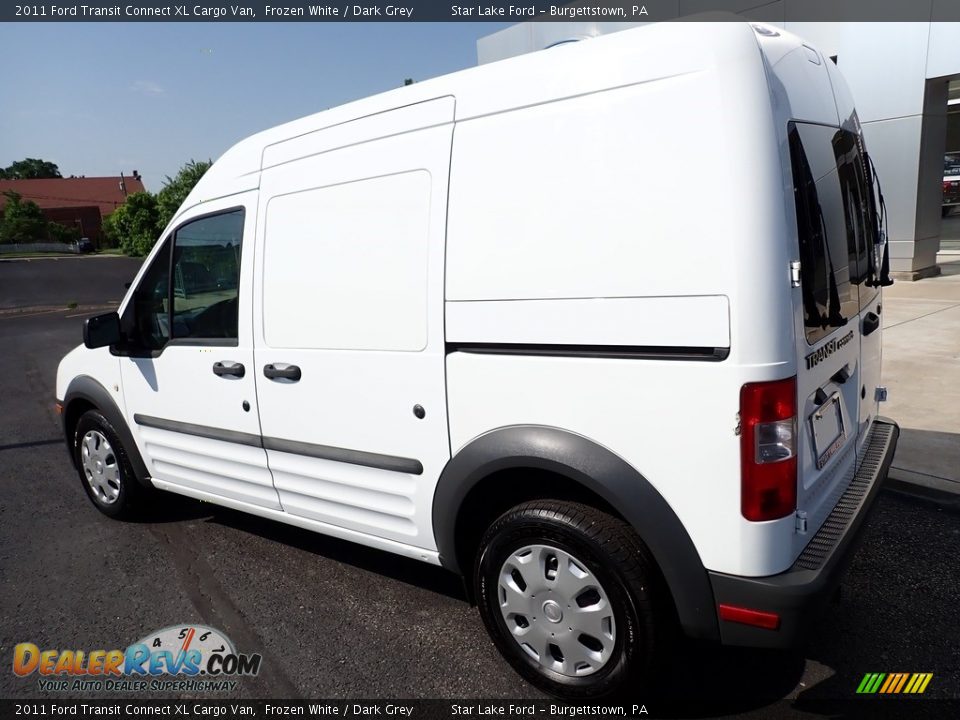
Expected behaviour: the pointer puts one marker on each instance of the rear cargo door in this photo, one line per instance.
(829, 371)
(860, 205)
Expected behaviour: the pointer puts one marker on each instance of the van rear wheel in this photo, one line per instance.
(105, 469)
(569, 596)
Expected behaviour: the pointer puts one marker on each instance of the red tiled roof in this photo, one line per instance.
(103, 192)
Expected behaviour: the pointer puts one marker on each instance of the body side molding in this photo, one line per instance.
(344, 455)
(599, 470)
(323, 452)
(84, 387)
(211, 433)
(624, 352)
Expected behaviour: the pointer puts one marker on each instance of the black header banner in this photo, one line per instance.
(480, 10)
(472, 709)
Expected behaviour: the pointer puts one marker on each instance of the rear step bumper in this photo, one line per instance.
(799, 594)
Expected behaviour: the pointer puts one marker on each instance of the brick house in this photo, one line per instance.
(80, 202)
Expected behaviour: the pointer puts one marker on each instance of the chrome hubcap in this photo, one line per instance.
(552, 611)
(100, 466)
(556, 610)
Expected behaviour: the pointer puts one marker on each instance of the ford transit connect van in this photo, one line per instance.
(503, 322)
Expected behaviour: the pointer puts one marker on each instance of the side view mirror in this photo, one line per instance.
(102, 330)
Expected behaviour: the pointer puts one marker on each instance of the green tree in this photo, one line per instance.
(133, 226)
(57, 232)
(22, 220)
(30, 169)
(176, 189)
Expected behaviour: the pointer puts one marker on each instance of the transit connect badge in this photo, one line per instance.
(827, 349)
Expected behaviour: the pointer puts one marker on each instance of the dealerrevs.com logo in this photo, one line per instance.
(180, 658)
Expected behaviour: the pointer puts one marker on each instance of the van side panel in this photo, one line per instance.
(666, 322)
(674, 421)
(591, 196)
(653, 201)
(381, 287)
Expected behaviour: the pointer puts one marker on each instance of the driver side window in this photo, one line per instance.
(206, 277)
(146, 323)
(191, 289)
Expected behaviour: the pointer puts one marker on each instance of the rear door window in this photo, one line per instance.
(856, 185)
(833, 225)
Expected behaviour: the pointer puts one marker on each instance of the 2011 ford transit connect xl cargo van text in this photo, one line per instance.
(491, 321)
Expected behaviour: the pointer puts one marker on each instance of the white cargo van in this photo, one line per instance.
(597, 328)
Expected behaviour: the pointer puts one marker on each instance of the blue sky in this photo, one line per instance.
(101, 98)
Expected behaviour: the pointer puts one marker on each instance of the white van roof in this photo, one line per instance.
(704, 51)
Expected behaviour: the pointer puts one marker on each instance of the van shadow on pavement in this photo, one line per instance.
(406, 570)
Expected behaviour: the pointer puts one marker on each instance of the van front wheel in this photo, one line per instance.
(568, 594)
(105, 469)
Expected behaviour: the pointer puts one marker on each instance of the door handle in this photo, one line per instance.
(871, 321)
(287, 372)
(233, 369)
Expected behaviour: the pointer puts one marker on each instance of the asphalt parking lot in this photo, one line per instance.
(333, 620)
(48, 282)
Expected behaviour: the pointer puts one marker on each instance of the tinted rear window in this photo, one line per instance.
(833, 201)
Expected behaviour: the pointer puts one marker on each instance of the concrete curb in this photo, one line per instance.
(942, 499)
(922, 479)
(39, 309)
(13, 256)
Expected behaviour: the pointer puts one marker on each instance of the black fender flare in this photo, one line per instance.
(604, 473)
(84, 387)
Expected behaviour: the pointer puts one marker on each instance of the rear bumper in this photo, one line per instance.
(799, 594)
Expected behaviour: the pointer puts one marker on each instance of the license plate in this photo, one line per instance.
(828, 431)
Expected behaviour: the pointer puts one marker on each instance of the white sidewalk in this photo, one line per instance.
(921, 369)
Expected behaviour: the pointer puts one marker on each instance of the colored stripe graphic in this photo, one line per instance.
(890, 679)
(903, 680)
(894, 683)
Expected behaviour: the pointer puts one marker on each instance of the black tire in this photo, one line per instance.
(132, 496)
(614, 554)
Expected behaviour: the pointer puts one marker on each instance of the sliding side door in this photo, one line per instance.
(349, 347)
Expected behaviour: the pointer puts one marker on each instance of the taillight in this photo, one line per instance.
(768, 449)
